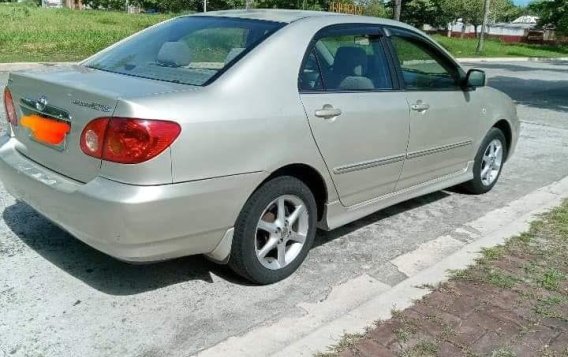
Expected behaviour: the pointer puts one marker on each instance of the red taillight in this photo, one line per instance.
(127, 140)
(10, 108)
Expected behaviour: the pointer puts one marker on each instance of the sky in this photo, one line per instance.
(521, 2)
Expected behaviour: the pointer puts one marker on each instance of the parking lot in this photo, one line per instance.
(61, 297)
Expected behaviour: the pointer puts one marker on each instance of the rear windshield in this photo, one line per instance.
(188, 50)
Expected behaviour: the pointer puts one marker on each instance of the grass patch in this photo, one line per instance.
(29, 33)
(423, 348)
(551, 279)
(396, 314)
(500, 279)
(459, 274)
(503, 352)
(532, 268)
(347, 341)
(407, 328)
(493, 253)
(493, 48)
(546, 307)
(540, 275)
(403, 334)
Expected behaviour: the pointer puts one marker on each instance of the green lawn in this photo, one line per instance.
(34, 34)
(466, 48)
(30, 34)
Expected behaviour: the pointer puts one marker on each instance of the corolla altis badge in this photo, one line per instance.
(92, 105)
(41, 103)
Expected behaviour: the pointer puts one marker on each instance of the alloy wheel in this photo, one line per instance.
(491, 162)
(281, 232)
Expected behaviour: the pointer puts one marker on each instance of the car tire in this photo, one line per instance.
(488, 164)
(266, 221)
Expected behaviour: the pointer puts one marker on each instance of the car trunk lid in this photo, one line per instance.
(65, 100)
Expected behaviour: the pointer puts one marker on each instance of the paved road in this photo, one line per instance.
(60, 297)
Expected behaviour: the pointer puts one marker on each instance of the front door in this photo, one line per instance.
(359, 122)
(442, 114)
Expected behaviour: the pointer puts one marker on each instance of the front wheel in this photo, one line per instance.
(488, 163)
(274, 231)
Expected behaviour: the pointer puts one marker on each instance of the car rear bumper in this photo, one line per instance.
(131, 223)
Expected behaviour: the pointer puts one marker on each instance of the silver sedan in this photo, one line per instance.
(237, 134)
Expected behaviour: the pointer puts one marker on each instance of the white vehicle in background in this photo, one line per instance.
(52, 3)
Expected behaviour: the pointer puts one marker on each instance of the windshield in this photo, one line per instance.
(188, 50)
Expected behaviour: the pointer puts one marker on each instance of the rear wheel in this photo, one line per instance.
(488, 163)
(274, 231)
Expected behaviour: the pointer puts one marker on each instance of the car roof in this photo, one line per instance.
(278, 15)
(288, 16)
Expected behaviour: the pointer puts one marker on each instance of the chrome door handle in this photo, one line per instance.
(420, 106)
(328, 112)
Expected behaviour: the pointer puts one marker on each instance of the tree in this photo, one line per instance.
(481, 43)
(397, 9)
(507, 11)
(374, 8)
(422, 12)
(552, 13)
(471, 11)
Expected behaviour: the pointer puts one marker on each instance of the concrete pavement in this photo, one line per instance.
(61, 297)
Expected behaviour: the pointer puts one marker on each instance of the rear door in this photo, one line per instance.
(359, 120)
(442, 115)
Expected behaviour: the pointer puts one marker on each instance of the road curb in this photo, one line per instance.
(308, 335)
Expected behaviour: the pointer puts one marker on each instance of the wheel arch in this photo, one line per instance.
(308, 175)
(303, 172)
(507, 130)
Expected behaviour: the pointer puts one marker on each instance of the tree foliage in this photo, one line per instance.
(440, 12)
(471, 11)
(552, 13)
(374, 8)
(370, 7)
(421, 12)
(415, 12)
(507, 11)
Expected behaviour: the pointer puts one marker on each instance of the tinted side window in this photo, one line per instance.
(423, 67)
(352, 63)
(310, 75)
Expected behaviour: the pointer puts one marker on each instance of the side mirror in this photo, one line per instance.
(475, 78)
